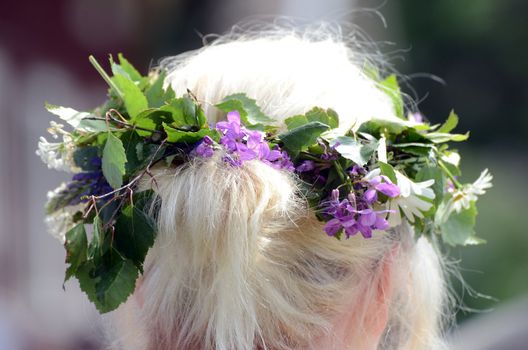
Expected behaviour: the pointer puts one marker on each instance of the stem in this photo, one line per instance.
(127, 125)
(310, 156)
(345, 180)
(118, 114)
(105, 76)
(448, 173)
(339, 171)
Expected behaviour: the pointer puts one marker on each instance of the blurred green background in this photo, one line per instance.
(478, 48)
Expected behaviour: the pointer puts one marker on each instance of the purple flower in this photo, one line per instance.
(329, 153)
(353, 215)
(244, 152)
(370, 195)
(450, 187)
(383, 184)
(416, 117)
(320, 179)
(344, 216)
(90, 183)
(283, 162)
(357, 170)
(232, 131)
(205, 148)
(230, 160)
(232, 126)
(266, 154)
(243, 144)
(255, 139)
(305, 166)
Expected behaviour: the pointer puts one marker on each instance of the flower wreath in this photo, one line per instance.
(356, 182)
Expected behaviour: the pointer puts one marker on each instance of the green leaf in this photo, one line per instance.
(388, 170)
(316, 114)
(450, 123)
(175, 135)
(440, 137)
(127, 67)
(134, 234)
(436, 174)
(134, 100)
(107, 215)
(114, 159)
(459, 227)
(117, 281)
(152, 119)
(474, 240)
(185, 112)
(302, 137)
(413, 144)
(328, 116)
(354, 150)
(416, 148)
(156, 94)
(95, 126)
(295, 121)
(138, 152)
(84, 156)
(131, 140)
(76, 248)
(109, 283)
(87, 281)
(378, 126)
(69, 115)
(105, 76)
(96, 248)
(451, 160)
(391, 87)
(250, 113)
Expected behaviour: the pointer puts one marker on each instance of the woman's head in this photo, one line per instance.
(240, 260)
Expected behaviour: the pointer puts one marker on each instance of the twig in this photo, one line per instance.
(138, 177)
(110, 111)
(125, 124)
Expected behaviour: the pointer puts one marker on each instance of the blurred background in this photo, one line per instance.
(478, 48)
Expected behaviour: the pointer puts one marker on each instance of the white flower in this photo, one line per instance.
(58, 155)
(51, 195)
(462, 198)
(61, 221)
(410, 200)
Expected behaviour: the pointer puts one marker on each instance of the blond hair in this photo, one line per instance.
(240, 262)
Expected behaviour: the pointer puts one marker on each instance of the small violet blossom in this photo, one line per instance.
(243, 145)
(205, 148)
(357, 170)
(306, 166)
(353, 215)
(329, 153)
(416, 117)
(84, 184)
(383, 184)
